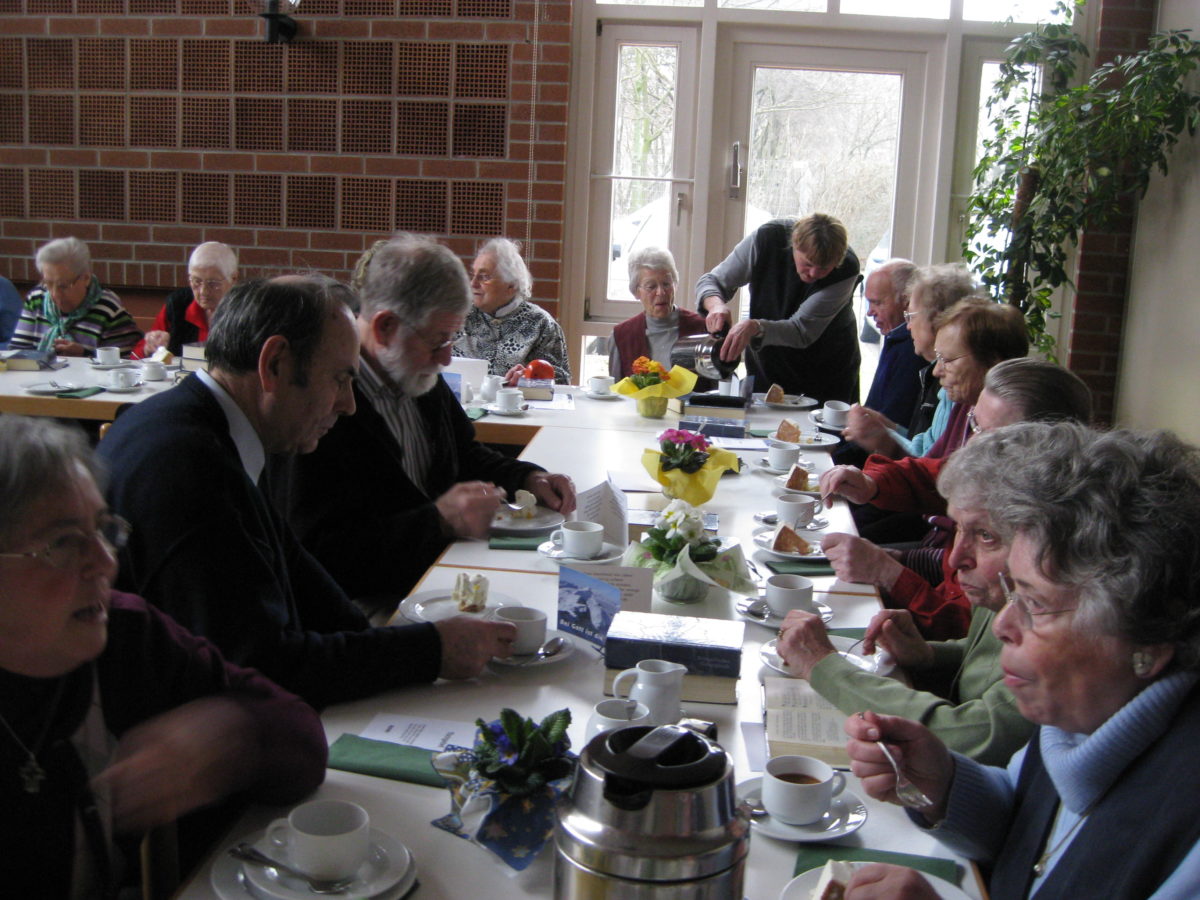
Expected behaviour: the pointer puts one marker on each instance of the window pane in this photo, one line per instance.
(912, 9)
(1000, 10)
(790, 5)
(641, 221)
(650, 2)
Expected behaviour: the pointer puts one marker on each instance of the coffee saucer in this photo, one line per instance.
(607, 396)
(846, 815)
(608, 553)
(770, 518)
(880, 663)
(531, 661)
(770, 619)
(496, 410)
(105, 367)
(131, 389)
(771, 470)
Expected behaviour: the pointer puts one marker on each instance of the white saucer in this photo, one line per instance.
(764, 537)
(529, 662)
(45, 389)
(881, 663)
(388, 874)
(846, 815)
(802, 886)
(609, 396)
(773, 621)
(104, 367)
(132, 389)
(817, 440)
(608, 553)
(792, 401)
(817, 417)
(771, 470)
(770, 518)
(436, 604)
(495, 410)
(544, 520)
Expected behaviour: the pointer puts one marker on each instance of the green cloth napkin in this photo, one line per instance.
(384, 759)
(796, 567)
(510, 542)
(474, 413)
(855, 633)
(759, 432)
(79, 393)
(811, 857)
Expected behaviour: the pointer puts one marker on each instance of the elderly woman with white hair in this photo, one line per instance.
(503, 326)
(1100, 649)
(661, 324)
(184, 317)
(69, 312)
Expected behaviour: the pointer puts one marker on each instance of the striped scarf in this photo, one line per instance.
(61, 323)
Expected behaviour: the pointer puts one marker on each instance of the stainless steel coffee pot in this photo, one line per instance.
(652, 815)
(702, 354)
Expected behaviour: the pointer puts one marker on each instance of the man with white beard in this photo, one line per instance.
(391, 485)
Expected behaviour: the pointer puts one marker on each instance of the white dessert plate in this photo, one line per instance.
(791, 401)
(880, 663)
(815, 440)
(846, 815)
(781, 486)
(132, 389)
(389, 872)
(773, 621)
(771, 470)
(104, 367)
(802, 886)
(496, 410)
(544, 519)
(530, 661)
(609, 396)
(764, 537)
(608, 553)
(49, 389)
(437, 604)
(772, 519)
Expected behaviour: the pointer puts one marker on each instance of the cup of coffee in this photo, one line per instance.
(509, 399)
(795, 510)
(324, 839)
(835, 413)
(530, 624)
(788, 592)
(798, 790)
(616, 714)
(122, 379)
(782, 455)
(582, 540)
(108, 356)
(600, 384)
(153, 370)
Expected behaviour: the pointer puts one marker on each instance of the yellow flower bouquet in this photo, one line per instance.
(652, 386)
(687, 465)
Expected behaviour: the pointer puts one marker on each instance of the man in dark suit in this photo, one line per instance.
(209, 548)
(391, 485)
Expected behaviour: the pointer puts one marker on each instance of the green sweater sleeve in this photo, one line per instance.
(982, 722)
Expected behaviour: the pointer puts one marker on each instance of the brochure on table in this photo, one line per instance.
(605, 503)
(428, 734)
(589, 597)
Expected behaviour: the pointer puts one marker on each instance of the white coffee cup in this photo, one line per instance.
(582, 540)
(782, 455)
(153, 370)
(530, 624)
(788, 592)
(835, 413)
(795, 510)
(122, 378)
(600, 384)
(616, 714)
(509, 399)
(798, 790)
(325, 839)
(108, 356)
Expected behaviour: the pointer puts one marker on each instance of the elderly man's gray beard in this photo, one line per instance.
(398, 368)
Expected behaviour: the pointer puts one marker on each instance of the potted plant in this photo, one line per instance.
(652, 386)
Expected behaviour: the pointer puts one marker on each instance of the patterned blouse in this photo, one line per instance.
(516, 333)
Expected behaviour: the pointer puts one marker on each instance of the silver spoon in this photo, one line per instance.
(551, 648)
(906, 792)
(758, 609)
(249, 853)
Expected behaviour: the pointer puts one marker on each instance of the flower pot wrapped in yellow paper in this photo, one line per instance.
(652, 386)
(687, 465)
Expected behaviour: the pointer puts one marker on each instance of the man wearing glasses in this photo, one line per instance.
(390, 486)
(184, 318)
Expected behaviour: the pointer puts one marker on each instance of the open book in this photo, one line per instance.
(800, 721)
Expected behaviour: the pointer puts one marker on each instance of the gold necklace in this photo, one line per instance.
(31, 772)
(1039, 867)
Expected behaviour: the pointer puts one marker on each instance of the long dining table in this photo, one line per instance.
(587, 441)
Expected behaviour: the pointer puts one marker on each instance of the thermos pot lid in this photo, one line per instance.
(669, 756)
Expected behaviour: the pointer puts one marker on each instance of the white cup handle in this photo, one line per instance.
(839, 783)
(278, 831)
(631, 673)
(556, 537)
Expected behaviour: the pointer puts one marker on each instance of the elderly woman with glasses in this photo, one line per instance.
(959, 693)
(212, 271)
(1101, 651)
(69, 312)
(504, 326)
(654, 331)
(113, 718)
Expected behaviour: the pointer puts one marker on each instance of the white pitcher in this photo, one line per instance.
(657, 684)
(489, 386)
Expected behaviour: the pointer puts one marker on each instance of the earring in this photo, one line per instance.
(1142, 663)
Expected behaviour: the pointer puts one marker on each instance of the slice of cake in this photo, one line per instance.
(788, 432)
(470, 593)
(787, 541)
(797, 479)
(774, 394)
(834, 878)
(528, 503)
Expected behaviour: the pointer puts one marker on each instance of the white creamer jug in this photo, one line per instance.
(657, 684)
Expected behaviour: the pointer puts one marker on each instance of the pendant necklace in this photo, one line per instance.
(31, 772)
(1039, 867)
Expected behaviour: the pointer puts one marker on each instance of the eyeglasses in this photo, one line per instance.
(1012, 598)
(67, 551)
(432, 346)
(973, 423)
(910, 314)
(59, 287)
(211, 285)
(482, 277)
(938, 358)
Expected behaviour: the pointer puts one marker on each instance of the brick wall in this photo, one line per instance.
(1093, 348)
(148, 126)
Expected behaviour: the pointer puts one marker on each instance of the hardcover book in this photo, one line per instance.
(705, 646)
